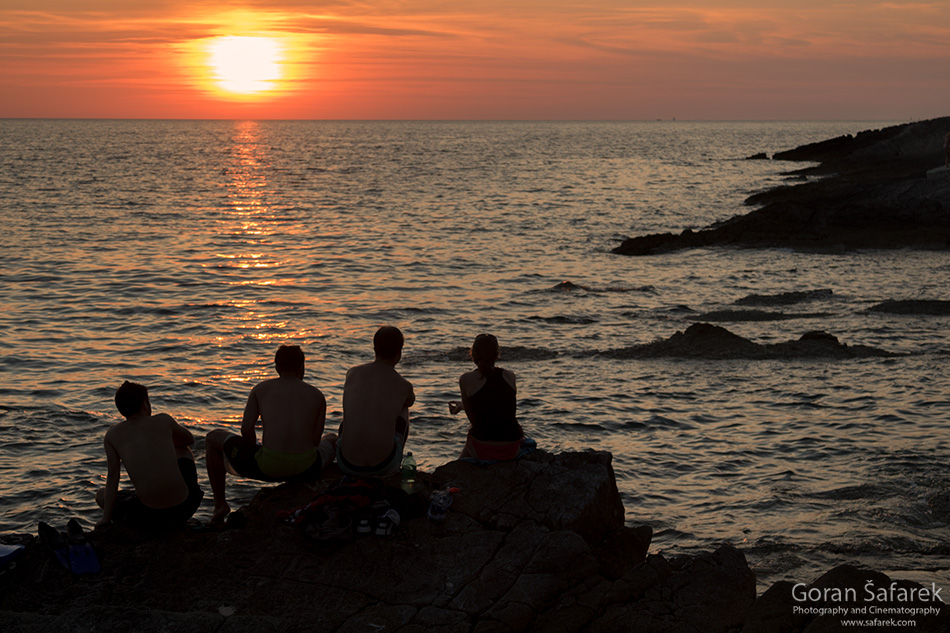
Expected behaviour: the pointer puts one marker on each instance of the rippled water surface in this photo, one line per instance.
(181, 254)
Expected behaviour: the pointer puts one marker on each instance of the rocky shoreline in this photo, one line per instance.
(534, 545)
(878, 189)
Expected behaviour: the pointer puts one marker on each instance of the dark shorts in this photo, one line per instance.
(387, 466)
(129, 509)
(245, 459)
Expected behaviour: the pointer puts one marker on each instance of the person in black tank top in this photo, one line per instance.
(489, 399)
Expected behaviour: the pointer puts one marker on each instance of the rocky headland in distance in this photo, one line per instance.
(882, 189)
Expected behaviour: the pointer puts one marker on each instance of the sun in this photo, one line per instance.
(245, 65)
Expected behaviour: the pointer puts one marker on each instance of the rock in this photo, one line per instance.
(711, 592)
(876, 193)
(712, 342)
(571, 491)
(939, 173)
(774, 612)
(844, 594)
(536, 544)
(913, 306)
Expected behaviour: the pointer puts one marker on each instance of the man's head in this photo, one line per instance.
(289, 360)
(387, 343)
(131, 397)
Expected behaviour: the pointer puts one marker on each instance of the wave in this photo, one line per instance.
(565, 319)
(759, 315)
(570, 286)
(461, 355)
(785, 298)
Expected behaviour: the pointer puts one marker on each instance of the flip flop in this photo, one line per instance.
(82, 557)
(8, 554)
(56, 542)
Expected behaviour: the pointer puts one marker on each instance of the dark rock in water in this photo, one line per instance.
(914, 306)
(711, 342)
(785, 298)
(566, 286)
(759, 156)
(533, 545)
(570, 286)
(875, 194)
(819, 337)
(843, 595)
(565, 319)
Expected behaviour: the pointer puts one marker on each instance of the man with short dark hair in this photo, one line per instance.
(156, 454)
(376, 401)
(293, 447)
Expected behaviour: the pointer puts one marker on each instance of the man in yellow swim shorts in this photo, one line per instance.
(292, 415)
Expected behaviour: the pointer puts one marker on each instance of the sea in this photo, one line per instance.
(181, 254)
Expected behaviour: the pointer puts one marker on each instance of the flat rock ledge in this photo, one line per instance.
(534, 545)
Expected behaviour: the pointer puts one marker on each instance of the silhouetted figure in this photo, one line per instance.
(156, 453)
(292, 414)
(489, 396)
(376, 401)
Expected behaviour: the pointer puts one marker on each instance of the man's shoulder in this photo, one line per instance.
(264, 385)
(313, 390)
(361, 370)
(113, 431)
(161, 418)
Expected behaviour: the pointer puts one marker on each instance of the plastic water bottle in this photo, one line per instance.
(409, 469)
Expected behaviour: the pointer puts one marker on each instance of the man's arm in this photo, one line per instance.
(181, 437)
(112, 482)
(252, 412)
(411, 397)
(320, 421)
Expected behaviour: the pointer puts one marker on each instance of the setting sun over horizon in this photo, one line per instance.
(245, 65)
(608, 60)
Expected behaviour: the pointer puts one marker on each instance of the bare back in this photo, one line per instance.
(374, 395)
(292, 413)
(147, 446)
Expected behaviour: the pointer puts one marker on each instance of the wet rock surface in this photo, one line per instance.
(872, 191)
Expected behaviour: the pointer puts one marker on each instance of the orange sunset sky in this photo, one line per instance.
(517, 59)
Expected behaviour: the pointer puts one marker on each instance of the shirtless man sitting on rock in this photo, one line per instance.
(293, 446)
(156, 454)
(376, 401)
